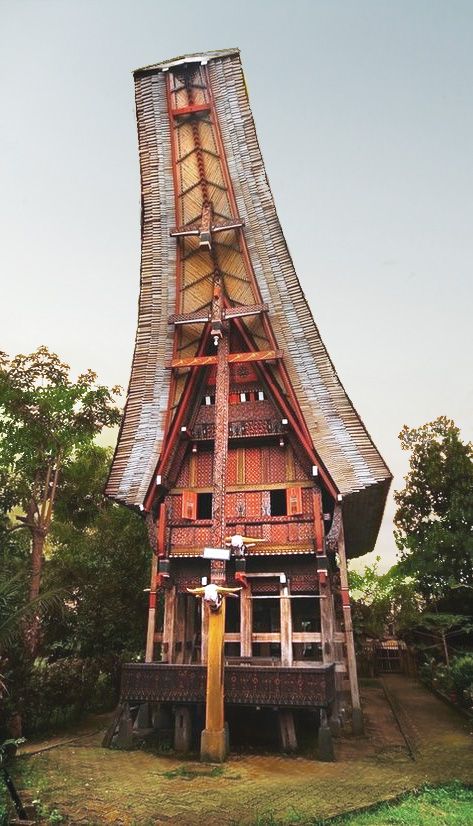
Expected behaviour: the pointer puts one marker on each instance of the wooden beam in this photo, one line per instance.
(204, 633)
(222, 386)
(349, 640)
(180, 629)
(246, 622)
(232, 358)
(167, 654)
(286, 627)
(151, 611)
(190, 109)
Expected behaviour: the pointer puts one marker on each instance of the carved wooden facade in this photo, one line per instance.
(236, 424)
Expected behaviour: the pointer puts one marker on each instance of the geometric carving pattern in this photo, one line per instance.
(247, 685)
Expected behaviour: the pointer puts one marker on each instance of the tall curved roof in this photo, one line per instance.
(202, 100)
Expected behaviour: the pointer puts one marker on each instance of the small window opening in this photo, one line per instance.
(204, 506)
(208, 400)
(278, 502)
(244, 397)
(261, 395)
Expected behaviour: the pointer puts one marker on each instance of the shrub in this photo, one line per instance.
(461, 672)
(62, 691)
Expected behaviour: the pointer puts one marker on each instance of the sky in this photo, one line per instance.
(364, 115)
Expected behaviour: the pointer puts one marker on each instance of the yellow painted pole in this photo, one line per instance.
(214, 738)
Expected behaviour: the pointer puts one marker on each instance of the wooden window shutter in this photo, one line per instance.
(294, 501)
(189, 504)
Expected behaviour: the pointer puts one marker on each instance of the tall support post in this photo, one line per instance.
(169, 624)
(357, 715)
(179, 628)
(286, 626)
(204, 644)
(246, 622)
(327, 618)
(220, 333)
(189, 641)
(155, 581)
(214, 740)
(151, 611)
(327, 606)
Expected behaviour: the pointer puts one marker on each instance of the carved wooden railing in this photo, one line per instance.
(248, 685)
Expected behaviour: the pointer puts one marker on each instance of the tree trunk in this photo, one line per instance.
(37, 548)
(445, 649)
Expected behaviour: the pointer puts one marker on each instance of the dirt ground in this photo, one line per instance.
(91, 785)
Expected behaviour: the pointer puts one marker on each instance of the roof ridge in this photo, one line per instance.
(192, 57)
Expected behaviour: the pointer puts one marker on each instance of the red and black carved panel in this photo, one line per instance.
(188, 573)
(251, 410)
(247, 685)
(253, 465)
(204, 468)
(276, 464)
(253, 501)
(182, 480)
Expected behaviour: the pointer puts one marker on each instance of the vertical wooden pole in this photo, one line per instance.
(204, 647)
(169, 624)
(213, 744)
(327, 619)
(217, 567)
(189, 636)
(357, 716)
(286, 626)
(179, 628)
(152, 611)
(246, 622)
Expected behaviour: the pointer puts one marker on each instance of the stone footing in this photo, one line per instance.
(357, 721)
(214, 746)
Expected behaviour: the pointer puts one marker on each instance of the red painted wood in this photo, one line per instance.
(318, 522)
(161, 531)
(189, 505)
(294, 501)
(189, 110)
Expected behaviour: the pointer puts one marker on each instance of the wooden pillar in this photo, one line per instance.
(327, 619)
(357, 716)
(179, 628)
(222, 386)
(246, 622)
(182, 729)
(286, 626)
(324, 741)
(189, 644)
(287, 730)
(213, 744)
(167, 654)
(151, 611)
(204, 634)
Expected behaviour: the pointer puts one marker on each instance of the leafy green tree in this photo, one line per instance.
(100, 551)
(45, 417)
(383, 604)
(441, 628)
(434, 517)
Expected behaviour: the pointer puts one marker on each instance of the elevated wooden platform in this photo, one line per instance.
(245, 684)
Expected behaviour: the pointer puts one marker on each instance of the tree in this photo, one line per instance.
(383, 603)
(441, 627)
(434, 517)
(101, 551)
(45, 417)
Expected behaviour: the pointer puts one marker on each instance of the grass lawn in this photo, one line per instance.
(450, 805)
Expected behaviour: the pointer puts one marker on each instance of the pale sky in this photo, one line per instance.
(364, 114)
